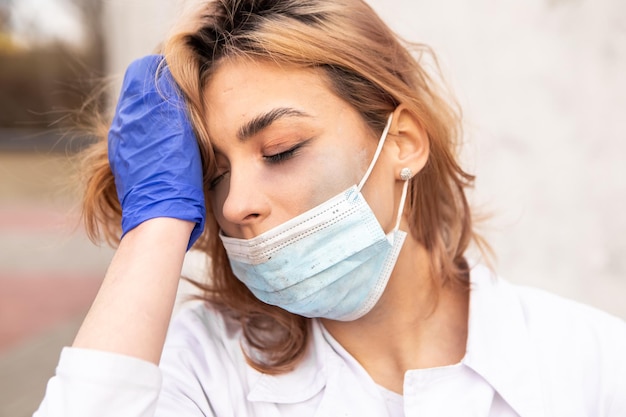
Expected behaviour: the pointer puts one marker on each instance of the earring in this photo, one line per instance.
(406, 174)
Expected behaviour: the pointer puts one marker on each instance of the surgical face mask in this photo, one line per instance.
(332, 261)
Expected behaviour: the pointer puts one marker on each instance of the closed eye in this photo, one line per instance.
(285, 155)
(216, 180)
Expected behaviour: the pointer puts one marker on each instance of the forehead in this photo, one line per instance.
(240, 90)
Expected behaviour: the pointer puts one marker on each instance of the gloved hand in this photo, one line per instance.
(153, 151)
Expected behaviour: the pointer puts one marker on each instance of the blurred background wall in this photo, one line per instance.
(542, 87)
(544, 97)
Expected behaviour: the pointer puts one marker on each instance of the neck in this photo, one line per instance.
(417, 323)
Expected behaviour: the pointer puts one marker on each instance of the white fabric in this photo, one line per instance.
(529, 354)
(393, 401)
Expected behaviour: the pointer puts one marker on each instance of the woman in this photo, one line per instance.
(337, 227)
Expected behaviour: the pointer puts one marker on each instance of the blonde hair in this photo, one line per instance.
(370, 68)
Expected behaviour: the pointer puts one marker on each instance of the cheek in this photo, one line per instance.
(216, 201)
(298, 185)
(380, 192)
(327, 176)
(381, 202)
(333, 173)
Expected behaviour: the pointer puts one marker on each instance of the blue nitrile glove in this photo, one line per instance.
(153, 151)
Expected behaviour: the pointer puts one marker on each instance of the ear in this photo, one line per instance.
(409, 139)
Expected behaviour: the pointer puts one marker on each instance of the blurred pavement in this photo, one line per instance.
(49, 273)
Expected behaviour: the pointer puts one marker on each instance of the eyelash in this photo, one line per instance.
(283, 156)
(272, 159)
(215, 181)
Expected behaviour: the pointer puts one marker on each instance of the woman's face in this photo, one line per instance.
(284, 143)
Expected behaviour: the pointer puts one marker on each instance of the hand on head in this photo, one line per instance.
(153, 151)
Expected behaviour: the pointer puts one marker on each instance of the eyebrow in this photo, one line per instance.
(264, 120)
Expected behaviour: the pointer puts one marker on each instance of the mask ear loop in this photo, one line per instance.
(379, 148)
(405, 174)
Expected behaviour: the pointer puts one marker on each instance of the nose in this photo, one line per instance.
(245, 203)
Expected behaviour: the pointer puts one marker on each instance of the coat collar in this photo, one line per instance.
(498, 345)
(498, 349)
(305, 381)
(322, 369)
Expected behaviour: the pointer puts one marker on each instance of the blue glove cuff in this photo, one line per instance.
(146, 202)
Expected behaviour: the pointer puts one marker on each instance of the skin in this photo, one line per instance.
(405, 330)
(141, 283)
(320, 147)
(255, 193)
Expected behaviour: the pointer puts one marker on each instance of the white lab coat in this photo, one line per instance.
(529, 354)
